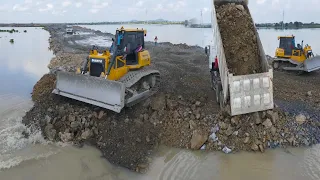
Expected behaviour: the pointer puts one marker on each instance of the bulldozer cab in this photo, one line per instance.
(128, 40)
(287, 43)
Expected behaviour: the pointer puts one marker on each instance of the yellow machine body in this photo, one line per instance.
(113, 78)
(287, 49)
(290, 57)
(120, 68)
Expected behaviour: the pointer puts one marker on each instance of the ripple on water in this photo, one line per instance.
(292, 164)
(311, 163)
(178, 165)
(12, 139)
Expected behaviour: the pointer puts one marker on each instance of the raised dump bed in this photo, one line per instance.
(245, 81)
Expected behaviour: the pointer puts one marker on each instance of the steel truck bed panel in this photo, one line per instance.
(245, 93)
(251, 93)
(217, 47)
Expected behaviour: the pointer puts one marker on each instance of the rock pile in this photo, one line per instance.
(185, 125)
(43, 88)
(239, 39)
(124, 139)
(163, 120)
(259, 131)
(70, 62)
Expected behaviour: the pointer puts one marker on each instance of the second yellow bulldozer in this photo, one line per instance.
(114, 78)
(290, 57)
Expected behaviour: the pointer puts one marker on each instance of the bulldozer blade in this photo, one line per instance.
(92, 90)
(312, 64)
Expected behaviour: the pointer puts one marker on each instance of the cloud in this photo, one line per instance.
(205, 10)
(66, 3)
(139, 3)
(96, 7)
(275, 2)
(47, 8)
(262, 10)
(159, 7)
(93, 11)
(4, 7)
(38, 3)
(100, 6)
(24, 6)
(59, 12)
(261, 1)
(20, 7)
(28, 1)
(78, 4)
(176, 6)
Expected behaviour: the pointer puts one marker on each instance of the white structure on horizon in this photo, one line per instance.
(194, 21)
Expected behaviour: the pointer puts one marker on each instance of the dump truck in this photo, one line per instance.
(69, 29)
(238, 94)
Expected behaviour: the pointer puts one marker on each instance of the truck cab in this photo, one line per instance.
(69, 29)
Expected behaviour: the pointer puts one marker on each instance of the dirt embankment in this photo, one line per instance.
(239, 39)
(182, 114)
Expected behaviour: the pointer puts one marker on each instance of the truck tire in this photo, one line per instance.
(218, 90)
(275, 65)
(221, 100)
(212, 81)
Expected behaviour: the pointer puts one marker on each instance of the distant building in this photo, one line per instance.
(195, 23)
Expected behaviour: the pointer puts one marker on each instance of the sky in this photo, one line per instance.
(55, 11)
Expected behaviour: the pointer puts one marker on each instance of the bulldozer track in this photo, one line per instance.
(281, 64)
(132, 78)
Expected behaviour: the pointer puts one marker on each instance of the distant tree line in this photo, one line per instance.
(164, 22)
(290, 25)
(131, 22)
(279, 25)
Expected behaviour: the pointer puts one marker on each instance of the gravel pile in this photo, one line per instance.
(239, 39)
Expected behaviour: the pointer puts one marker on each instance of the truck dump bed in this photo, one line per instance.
(247, 86)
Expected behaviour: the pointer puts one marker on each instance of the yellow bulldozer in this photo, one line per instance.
(115, 78)
(290, 57)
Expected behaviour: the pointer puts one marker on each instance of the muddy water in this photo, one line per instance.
(292, 164)
(24, 62)
(86, 163)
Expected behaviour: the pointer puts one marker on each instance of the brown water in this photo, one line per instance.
(36, 159)
(86, 163)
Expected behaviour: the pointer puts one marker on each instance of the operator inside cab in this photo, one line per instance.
(293, 43)
(111, 47)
